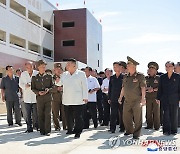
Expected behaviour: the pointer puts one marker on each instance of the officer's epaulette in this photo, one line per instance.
(125, 75)
(140, 73)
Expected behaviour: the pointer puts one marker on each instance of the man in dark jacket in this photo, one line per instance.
(169, 96)
(9, 91)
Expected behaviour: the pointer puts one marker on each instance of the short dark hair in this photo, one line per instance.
(71, 60)
(108, 69)
(48, 70)
(178, 64)
(116, 62)
(8, 66)
(82, 69)
(101, 72)
(169, 62)
(18, 70)
(89, 68)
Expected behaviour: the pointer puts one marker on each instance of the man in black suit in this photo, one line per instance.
(169, 97)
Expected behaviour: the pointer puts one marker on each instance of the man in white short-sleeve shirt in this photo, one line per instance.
(93, 87)
(106, 105)
(29, 96)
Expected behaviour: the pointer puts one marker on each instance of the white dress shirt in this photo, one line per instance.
(74, 88)
(105, 85)
(28, 95)
(92, 84)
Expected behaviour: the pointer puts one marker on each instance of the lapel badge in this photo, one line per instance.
(155, 81)
(135, 80)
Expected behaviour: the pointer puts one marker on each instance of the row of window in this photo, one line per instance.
(20, 42)
(32, 16)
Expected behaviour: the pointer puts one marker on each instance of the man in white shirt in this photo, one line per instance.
(104, 88)
(29, 96)
(93, 87)
(75, 95)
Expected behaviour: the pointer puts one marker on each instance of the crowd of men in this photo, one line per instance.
(76, 96)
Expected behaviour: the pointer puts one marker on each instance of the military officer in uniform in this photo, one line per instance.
(57, 107)
(134, 91)
(152, 108)
(42, 85)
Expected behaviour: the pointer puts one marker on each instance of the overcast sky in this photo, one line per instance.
(146, 30)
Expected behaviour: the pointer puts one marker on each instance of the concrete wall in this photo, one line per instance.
(94, 37)
(14, 23)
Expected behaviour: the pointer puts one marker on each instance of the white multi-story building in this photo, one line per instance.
(26, 31)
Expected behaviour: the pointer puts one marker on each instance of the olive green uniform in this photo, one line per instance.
(132, 110)
(40, 83)
(57, 107)
(152, 108)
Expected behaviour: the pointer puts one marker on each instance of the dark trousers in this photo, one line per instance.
(170, 118)
(116, 114)
(106, 111)
(100, 110)
(44, 116)
(178, 117)
(90, 111)
(31, 111)
(161, 114)
(74, 118)
(10, 105)
(152, 113)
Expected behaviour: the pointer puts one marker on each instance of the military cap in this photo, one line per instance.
(153, 65)
(40, 62)
(57, 65)
(178, 64)
(122, 63)
(132, 61)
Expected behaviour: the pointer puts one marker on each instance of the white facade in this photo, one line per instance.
(94, 42)
(26, 29)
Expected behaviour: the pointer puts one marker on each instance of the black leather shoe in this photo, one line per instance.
(28, 131)
(42, 133)
(173, 133)
(136, 137)
(121, 130)
(166, 133)
(20, 124)
(10, 125)
(69, 132)
(126, 134)
(156, 128)
(57, 129)
(77, 136)
(111, 131)
(95, 126)
(148, 127)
